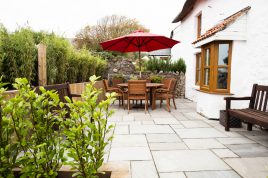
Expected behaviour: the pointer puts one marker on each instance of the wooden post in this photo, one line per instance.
(42, 65)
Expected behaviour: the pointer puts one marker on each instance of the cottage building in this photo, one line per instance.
(225, 46)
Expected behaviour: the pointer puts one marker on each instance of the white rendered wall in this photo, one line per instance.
(249, 58)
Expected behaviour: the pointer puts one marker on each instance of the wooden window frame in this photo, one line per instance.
(214, 52)
(198, 68)
(199, 24)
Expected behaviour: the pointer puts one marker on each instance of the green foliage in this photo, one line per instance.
(157, 65)
(179, 66)
(18, 58)
(82, 65)
(18, 54)
(8, 149)
(86, 131)
(119, 76)
(57, 58)
(133, 77)
(156, 78)
(33, 118)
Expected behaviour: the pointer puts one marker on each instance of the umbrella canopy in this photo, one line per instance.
(138, 41)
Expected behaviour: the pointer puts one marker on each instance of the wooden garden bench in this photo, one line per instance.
(256, 113)
(62, 90)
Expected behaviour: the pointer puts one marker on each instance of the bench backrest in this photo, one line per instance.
(259, 98)
(62, 90)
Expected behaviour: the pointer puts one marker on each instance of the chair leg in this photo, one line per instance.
(174, 102)
(128, 105)
(141, 102)
(146, 105)
(161, 101)
(123, 102)
(249, 127)
(168, 104)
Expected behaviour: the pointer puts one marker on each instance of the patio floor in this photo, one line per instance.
(182, 144)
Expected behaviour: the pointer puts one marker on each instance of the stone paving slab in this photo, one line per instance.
(199, 133)
(146, 129)
(203, 143)
(167, 146)
(249, 150)
(232, 141)
(121, 129)
(129, 141)
(172, 175)
(166, 138)
(224, 153)
(187, 160)
(143, 169)
(194, 124)
(212, 174)
(168, 120)
(129, 153)
(250, 167)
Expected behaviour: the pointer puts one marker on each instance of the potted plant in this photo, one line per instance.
(156, 78)
(31, 116)
(86, 131)
(118, 78)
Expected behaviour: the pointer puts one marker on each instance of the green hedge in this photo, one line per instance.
(157, 65)
(18, 58)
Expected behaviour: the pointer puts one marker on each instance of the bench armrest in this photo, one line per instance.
(75, 95)
(237, 98)
(229, 99)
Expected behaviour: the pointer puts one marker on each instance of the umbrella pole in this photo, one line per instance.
(140, 61)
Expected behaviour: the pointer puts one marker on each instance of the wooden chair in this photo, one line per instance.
(167, 93)
(256, 113)
(118, 91)
(137, 91)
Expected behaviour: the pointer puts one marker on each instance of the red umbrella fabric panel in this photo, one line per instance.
(139, 41)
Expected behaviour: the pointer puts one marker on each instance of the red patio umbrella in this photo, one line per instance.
(138, 41)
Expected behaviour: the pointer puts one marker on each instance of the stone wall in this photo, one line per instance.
(121, 66)
(180, 89)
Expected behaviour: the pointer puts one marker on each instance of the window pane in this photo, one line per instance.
(207, 57)
(206, 77)
(222, 78)
(223, 54)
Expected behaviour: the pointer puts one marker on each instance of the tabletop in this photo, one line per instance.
(148, 85)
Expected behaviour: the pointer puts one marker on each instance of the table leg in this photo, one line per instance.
(152, 99)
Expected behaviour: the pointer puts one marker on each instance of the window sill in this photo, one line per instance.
(214, 93)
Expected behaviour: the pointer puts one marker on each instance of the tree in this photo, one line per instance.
(106, 28)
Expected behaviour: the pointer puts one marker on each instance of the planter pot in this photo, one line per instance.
(234, 122)
(67, 174)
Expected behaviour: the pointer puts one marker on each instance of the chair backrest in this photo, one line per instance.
(173, 85)
(106, 85)
(62, 90)
(116, 81)
(136, 87)
(166, 83)
(259, 98)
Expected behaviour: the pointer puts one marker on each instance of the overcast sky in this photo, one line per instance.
(67, 17)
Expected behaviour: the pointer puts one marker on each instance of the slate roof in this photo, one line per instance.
(222, 25)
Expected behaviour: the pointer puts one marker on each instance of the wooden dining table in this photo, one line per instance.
(151, 86)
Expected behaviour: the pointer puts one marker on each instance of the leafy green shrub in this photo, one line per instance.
(18, 58)
(17, 54)
(32, 117)
(179, 66)
(156, 78)
(119, 76)
(86, 131)
(157, 65)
